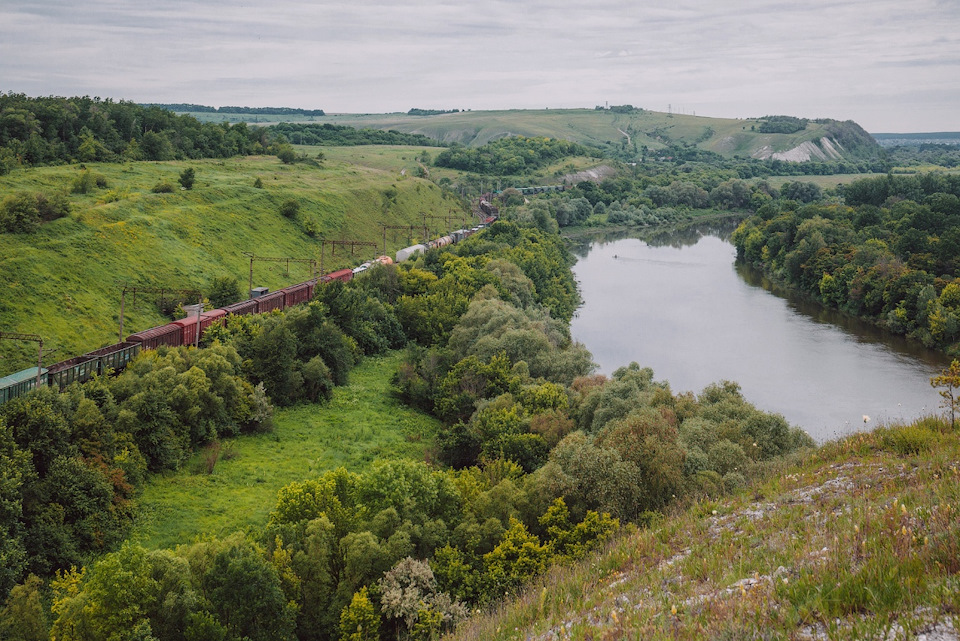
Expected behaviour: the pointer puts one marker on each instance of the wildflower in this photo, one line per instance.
(673, 610)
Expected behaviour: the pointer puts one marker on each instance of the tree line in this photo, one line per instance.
(54, 130)
(258, 111)
(889, 252)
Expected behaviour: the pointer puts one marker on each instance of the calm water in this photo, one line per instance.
(683, 308)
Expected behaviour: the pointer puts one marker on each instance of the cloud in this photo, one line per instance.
(740, 57)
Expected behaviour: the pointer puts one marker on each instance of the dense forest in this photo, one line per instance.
(888, 252)
(538, 461)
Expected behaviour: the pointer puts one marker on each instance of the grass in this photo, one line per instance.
(858, 539)
(361, 423)
(64, 282)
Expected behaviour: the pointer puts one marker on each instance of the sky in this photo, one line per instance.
(890, 65)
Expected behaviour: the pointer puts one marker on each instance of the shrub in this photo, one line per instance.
(287, 155)
(726, 456)
(52, 207)
(289, 208)
(187, 177)
(906, 440)
(19, 214)
(163, 188)
(83, 183)
(258, 183)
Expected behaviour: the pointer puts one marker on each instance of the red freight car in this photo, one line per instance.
(248, 306)
(170, 334)
(342, 275)
(270, 302)
(296, 294)
(189, 324)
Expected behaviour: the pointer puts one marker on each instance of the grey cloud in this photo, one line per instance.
(738, 57)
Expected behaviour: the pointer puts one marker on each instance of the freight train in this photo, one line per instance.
(188, 331)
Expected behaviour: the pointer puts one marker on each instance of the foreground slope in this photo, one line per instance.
(860, 539)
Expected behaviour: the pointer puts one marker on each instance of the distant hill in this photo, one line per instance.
(630, 133)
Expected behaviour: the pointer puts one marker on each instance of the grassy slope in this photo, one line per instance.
(62, 281)
(727, 136)
(860, 539)
(361, 423)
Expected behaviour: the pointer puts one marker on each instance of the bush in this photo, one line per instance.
(907, 440)
(82, 184)
(163, 188)
(187, 177)
(287, 155)
(289, 208)
(52, 207)
(19, 214)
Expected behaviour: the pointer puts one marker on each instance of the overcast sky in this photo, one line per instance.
(890, 65)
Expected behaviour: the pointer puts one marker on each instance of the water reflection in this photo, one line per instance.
(679, 304)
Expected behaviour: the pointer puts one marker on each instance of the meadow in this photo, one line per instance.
(233, 485)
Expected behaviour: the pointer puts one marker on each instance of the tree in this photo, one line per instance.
(246, 593)
(359, 621)
(224, 290)
(14, 467)
(23, 617)
(949, 380)
(519, 557)
(287, 155)
(187, 178)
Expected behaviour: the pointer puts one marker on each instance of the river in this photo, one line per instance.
(680, 305)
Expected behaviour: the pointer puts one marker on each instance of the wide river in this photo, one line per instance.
(680, 305)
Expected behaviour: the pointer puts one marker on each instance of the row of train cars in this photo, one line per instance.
(188, 331)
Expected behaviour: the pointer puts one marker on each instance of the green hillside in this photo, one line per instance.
(634, 130)
(64, 281)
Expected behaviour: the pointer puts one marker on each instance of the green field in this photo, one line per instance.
(64, 282)
(361, 423)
